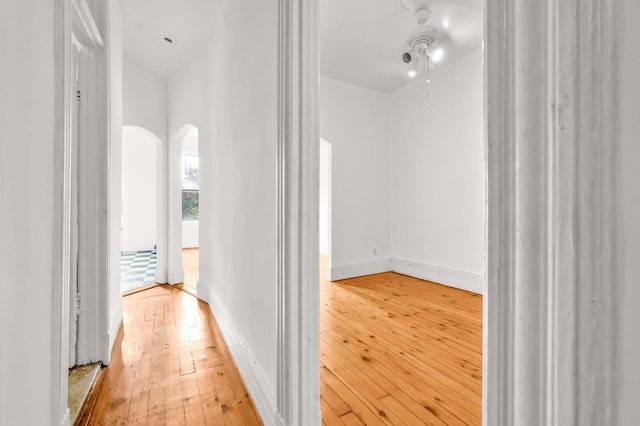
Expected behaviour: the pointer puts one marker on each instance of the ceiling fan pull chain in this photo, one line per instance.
(427, 64)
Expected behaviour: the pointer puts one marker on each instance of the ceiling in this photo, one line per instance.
(362, 41)
(146, 22)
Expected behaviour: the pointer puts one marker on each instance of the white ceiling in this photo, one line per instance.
(146, 22)
(362, 41)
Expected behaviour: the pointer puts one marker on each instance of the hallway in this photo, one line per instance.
(170, 365)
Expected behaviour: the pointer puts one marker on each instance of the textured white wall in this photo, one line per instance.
(630, 215)
(27, 131)
(139, 184)
(437, 157)
(356, 122)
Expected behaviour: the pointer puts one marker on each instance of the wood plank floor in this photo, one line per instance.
(398, 350)
(170, 366)
(190, 266)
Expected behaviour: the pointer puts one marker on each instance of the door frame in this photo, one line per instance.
(74, 17)
(550, 67)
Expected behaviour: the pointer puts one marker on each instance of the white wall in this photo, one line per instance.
(325, 197)
(139, 184)
(27, 132)
(190, 234)
(356, 121)
(437, 184)
(630, 222)
(144, 99)
(238, 141)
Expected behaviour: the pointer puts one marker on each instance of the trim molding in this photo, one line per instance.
(342, 272)
(116, 323)
(175, 277)
(446, 276)
(297, 295)
(84, 25)
(66, 420)
(252, 373)
(202, 290)
(62, 216)
(161, 277)
(550, 326)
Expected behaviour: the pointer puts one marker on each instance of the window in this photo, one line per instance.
(190, 178)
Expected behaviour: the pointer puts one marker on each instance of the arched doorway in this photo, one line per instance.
(139, 217)
(190, 205)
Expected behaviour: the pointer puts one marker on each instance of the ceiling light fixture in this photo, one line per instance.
(421, 40)
(436, 55)
(413, 68)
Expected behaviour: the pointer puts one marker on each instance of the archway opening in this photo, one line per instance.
(190, 174)
(139, 231)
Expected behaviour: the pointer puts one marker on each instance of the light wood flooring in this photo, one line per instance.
(170, 366)
(394, 350)
(190, 266)
(398, 350)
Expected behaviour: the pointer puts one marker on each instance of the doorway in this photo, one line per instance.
(404, 293)
(139, 232)
(190, 201)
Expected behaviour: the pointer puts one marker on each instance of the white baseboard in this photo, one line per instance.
(161, 277)
(65, 421)
(202, 290)
(258, 385)
(343, 272)
(114, 327)
(175, 277)
(438, 274)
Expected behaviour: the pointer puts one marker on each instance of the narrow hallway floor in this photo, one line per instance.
(170, 365)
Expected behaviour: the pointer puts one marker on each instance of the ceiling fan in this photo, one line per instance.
(421, 40)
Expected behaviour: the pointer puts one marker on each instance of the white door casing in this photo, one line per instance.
(298, 387)
(75, 17)
(551, 279)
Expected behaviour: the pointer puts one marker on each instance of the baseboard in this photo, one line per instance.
(254, 377)
(161, 277)
(343, 272)
(450, 277)
(175, 277)
(65, 419)
(202, 290)
(114, 327)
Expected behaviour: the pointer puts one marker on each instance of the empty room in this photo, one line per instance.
(401, 213)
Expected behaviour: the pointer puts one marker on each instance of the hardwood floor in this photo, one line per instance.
(394, 350)
(190, 266)
(398, 350)
(170, 366)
